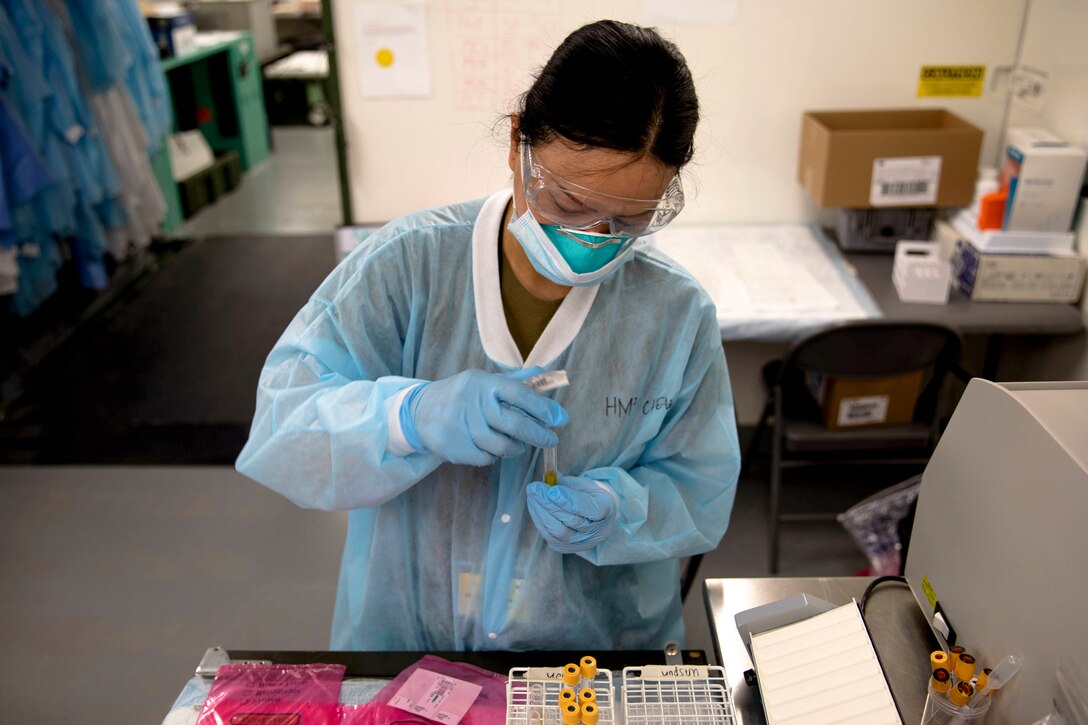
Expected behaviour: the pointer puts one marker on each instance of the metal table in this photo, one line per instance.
(899, 631)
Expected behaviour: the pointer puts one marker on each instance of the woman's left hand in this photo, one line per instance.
(575, 514)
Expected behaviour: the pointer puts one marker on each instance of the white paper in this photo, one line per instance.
(823, 671)
(688, 12)
(393, 51)
(773, 280)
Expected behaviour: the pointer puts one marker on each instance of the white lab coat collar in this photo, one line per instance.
(494, 334)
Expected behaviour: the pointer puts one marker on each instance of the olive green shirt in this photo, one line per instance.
(526, 316)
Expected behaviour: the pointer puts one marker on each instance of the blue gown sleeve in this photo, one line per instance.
(677, 500)
(320, 433)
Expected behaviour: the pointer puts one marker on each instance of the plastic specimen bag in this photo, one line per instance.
(447, 681)
(874, 525)
(274, 695)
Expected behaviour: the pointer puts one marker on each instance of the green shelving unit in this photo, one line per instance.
(217, 89)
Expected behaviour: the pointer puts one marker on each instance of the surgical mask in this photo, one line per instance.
(561, 259)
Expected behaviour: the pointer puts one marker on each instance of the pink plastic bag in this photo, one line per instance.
(489, 707)
(274, 695)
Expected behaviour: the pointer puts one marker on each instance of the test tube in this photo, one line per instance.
(938, 659)
(588, 667)
(965, 668)
(551, 466)
(572, 677)
(570, 713)
(589, 714)
(587, 695)
(941, 680)
(567, 695)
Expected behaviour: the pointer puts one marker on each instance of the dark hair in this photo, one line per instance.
(617, 86)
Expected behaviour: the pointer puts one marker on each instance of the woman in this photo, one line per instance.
(397, 392)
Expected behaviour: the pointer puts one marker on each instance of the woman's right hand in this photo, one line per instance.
(475, 417)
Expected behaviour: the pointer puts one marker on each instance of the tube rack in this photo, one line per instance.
(684, 695)
(532, 696)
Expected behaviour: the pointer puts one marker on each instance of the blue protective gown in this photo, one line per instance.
(446, 557)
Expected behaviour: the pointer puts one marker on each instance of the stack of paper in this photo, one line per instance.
(823, 670)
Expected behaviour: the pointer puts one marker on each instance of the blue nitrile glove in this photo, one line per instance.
(475, 417)
(575, 514)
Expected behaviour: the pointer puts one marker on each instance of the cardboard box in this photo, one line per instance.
(866, 402)
(1057, 277)
(1043, 174)
(894, 158)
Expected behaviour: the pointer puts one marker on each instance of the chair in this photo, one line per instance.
(856, 350)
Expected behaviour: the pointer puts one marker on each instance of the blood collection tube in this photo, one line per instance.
(965, 668)
(961, 694)
(938, 659)
(567, 695)
(954, 657)
(588, 668)
(572, 677)
(589, 714)
(570, 713)
(587, 695)
(941, 680)
(983, 678)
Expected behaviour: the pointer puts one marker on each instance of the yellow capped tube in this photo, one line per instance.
(983, 678)
(587, 695)
(941, 680)
(571, 713)
(960, 694)
(937, 660)
(965, 668)
(589, 714)
(567, 695)
(954, 656)
(588, 668)
(572, 676)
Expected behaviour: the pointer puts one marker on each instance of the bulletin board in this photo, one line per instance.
(757, 66)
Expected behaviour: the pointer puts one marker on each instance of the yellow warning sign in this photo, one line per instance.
(931, 596)
(951, 80)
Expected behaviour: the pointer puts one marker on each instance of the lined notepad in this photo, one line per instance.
(823, 670)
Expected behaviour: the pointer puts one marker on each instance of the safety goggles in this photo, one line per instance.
(559, 201)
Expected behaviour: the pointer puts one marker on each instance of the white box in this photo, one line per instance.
(1017, 277)
(919, 274)
(1043, 175)
(1000, 241)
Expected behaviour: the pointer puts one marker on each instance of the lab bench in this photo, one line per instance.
(900, 633)
(368, 672)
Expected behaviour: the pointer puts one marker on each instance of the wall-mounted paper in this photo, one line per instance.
(688, 12)
(393, 50)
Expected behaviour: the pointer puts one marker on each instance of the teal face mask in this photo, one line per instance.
(580, 258)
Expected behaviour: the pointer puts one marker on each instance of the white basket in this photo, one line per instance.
(532, 696)
(687, 695)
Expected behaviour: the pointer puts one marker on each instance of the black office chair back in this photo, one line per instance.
(873, 349)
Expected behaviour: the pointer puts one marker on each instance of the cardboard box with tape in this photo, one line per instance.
(888, 158)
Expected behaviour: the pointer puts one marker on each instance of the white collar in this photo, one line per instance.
(494, 334)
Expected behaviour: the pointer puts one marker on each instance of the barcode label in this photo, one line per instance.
(905, 181)
(905, 188)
